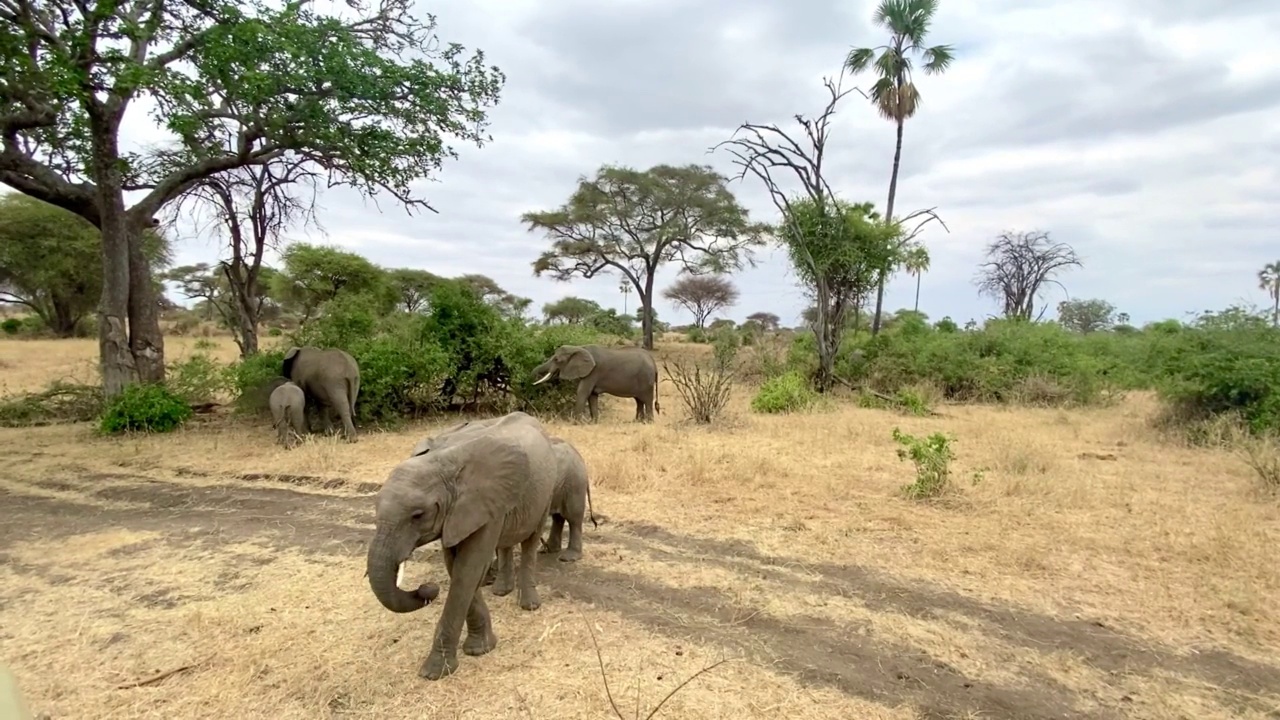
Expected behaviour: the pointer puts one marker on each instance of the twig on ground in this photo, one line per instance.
(654, 711)
(153, 679)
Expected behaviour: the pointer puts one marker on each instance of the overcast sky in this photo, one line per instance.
(1146, 133)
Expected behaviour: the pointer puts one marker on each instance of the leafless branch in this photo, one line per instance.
(1017, 267)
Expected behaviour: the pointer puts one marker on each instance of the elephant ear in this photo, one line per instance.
(492, 468)
(580, 363)
(290, 357)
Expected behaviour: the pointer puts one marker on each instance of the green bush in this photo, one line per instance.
(11, 326)
(198, 379)
(250, 379)
(789, 392)
(932, 458)
(1211, 373)
(144, 408)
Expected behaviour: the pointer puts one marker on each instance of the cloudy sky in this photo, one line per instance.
(1143, 132)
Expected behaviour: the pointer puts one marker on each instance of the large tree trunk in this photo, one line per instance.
(116, 361)
(646, 313)
(888, 215)
(146, 342)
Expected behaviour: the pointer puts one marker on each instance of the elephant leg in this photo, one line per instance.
(466, 564)
(326, 419)
(491, 575)
(297, 424)
(593, 401)
(584, 396)
(574, 551)
(555, 539)
(343, 409)
(504, 580)
(528, 595)
(639, 410)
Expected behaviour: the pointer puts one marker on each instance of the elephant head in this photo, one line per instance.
(569, 362)
(446, 494)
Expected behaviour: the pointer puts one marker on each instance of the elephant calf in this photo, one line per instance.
(288, 413)
(571, 501)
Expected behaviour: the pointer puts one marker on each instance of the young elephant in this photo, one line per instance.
(488, 490)
(288, 413)
(570, 501)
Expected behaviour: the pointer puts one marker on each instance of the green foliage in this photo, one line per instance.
(411, 288)
(571, 310)
(1086, 316)
(251, 380)
(11, 326)
(312, 276)
(146, 407)
(1216, 371)
(785, 393)
(197, 380)
(932, 458)
(51, 261)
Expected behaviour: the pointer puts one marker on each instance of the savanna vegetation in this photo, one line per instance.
(828, 502)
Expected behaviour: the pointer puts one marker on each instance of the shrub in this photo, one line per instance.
(932, 458)
(11, 326)
(706, 390)
(251, 379)
(144, 407)
(199, 379)
(1208, 373)
(789, 392)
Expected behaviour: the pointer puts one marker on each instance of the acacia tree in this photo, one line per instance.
(312, 275)
(633, 222)
(829, 242)
(1086, 316)
(894, 93)
(766, 320)
(234, 85)
(253, 206)
(1269, 280)
(508, 304)
(412, 288)
(1018, 266)
(571, 310)
(51, 261)
(702, 295)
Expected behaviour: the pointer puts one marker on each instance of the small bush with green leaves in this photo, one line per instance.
(197, 379)
(11, 326)
(789, 392)
(250, 379)
(144, 407)
(931, 457)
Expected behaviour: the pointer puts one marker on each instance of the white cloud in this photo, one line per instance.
(1141, 133)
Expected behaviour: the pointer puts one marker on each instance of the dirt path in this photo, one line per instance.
(819, 651)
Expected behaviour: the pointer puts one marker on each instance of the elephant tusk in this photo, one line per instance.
(400, 575)
(544, 379)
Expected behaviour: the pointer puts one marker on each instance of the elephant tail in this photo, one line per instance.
(657, 409)
(353, 387)
(590, 511)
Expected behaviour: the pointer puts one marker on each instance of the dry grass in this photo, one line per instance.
(1090, 569)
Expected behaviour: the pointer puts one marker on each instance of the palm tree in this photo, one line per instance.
(1269, 280)
(916, 261)
(894, 93)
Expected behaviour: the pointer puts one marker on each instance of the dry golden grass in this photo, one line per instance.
(1082, 568)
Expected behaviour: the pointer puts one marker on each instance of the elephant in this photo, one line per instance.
(288, 405)
(488, 490)
(570, 501)
(622, 372)
(331, 380)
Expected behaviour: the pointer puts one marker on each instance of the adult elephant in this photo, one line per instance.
(488, 491)
(330, 377)
(618, 371)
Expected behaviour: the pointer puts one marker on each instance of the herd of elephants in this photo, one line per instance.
(480, 487)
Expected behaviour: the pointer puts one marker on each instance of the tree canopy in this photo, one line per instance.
(702, 295)
(369, 97)
(51, 261)
(632, 222)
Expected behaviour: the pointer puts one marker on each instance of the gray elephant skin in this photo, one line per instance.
(570, 502)
(288, 413)
(476, 494)
(331, 380)
(621, 372)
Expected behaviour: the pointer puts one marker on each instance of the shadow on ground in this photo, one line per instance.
(850, 659)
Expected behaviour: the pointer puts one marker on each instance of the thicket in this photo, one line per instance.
(461, 354)
(1220, 364)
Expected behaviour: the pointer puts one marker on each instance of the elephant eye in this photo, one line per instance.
(417, 514)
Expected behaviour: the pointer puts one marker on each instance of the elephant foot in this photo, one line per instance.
(502, 589)
(571, 555)
(438, 665)
(529, 600)
(480, 644)
(548, 550)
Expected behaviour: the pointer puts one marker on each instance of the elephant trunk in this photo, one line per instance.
(384, 570)
(543, 368)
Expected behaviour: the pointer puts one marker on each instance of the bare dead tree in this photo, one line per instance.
(251, 208)
(811, 219)
(1018, 266)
